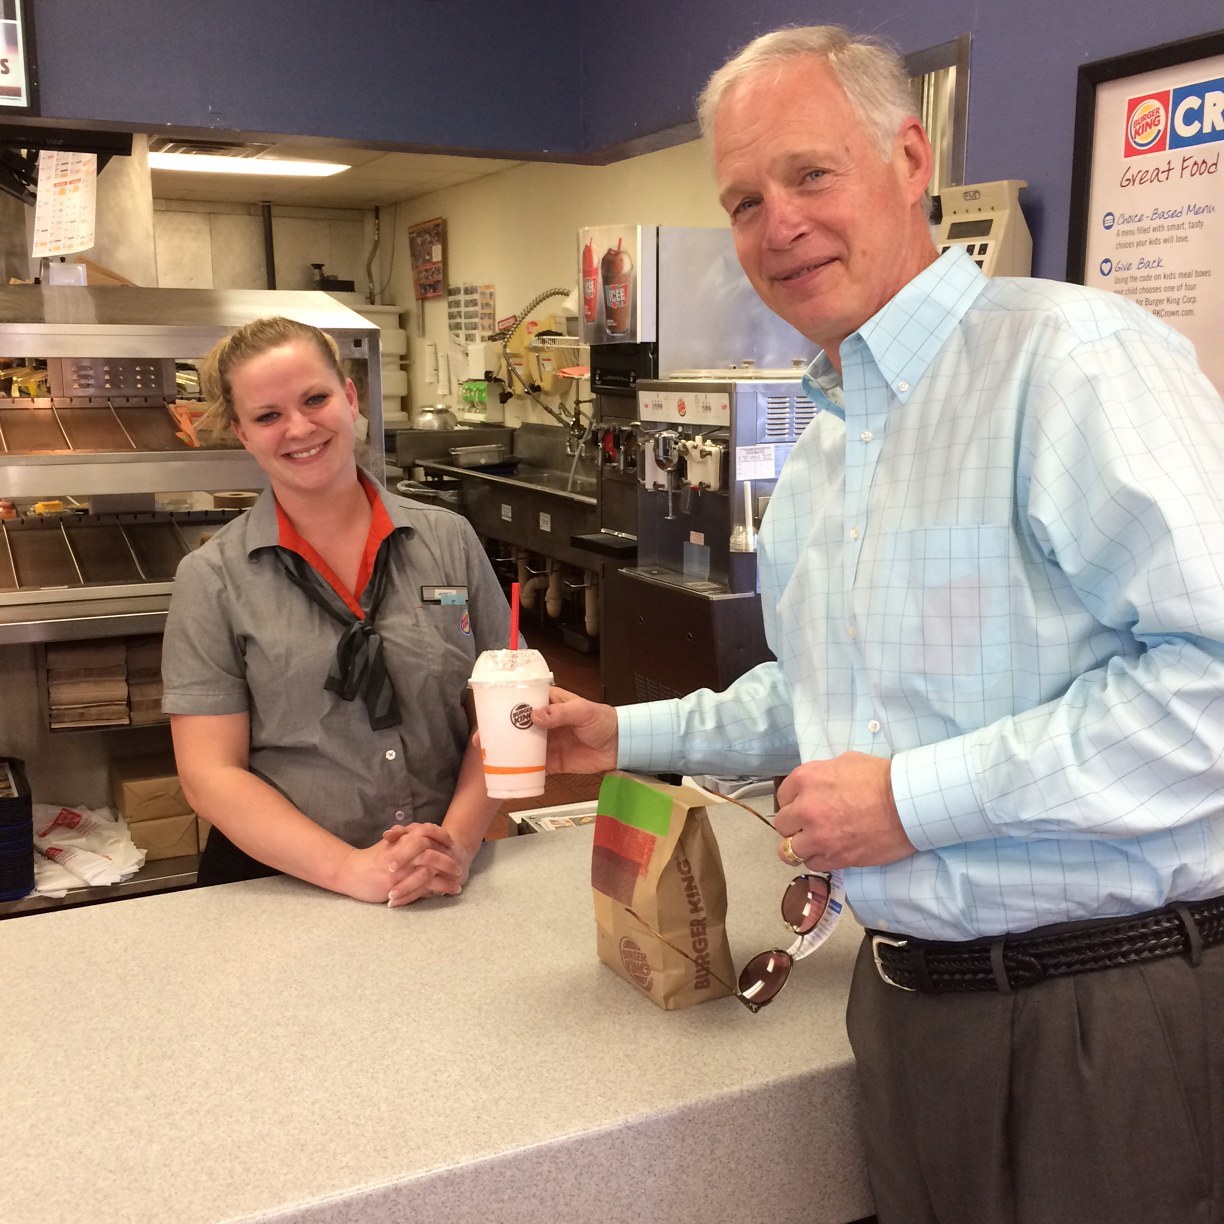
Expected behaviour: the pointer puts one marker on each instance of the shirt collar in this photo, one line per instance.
(822, 385)
(263, 528)
(906, 335)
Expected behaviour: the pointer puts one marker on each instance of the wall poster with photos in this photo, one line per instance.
(427, 251)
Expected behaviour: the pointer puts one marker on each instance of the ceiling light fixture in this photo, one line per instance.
(205, 163)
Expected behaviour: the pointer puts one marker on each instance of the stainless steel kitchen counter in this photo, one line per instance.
(269, 1050)
(539, 480)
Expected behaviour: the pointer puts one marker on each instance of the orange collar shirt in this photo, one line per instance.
(242, 638)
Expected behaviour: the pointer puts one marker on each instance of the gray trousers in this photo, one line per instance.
(1093, 1099)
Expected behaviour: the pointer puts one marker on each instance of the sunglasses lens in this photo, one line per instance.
(804, 903)
(763, 976)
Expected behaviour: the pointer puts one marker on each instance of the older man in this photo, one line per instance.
(992, 574)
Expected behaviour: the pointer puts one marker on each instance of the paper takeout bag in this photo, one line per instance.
(655, 853)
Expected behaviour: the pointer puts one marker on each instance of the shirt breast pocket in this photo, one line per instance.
(937, 607)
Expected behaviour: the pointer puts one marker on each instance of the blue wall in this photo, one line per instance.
(566, 77)
(464, 76)
(1023, 67)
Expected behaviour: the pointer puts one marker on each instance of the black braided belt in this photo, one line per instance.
(1011, 962)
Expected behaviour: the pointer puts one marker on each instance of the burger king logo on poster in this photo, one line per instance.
(1183, 117)
(1147, 123)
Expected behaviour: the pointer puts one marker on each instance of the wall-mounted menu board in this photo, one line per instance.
(1147, 205)
(18, 77)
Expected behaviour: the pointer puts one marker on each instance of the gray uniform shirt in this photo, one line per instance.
(241, 638)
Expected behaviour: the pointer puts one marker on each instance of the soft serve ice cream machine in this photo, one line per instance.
(710, 447)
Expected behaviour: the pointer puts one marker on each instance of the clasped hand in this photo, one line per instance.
(841, 813)
(410, 862)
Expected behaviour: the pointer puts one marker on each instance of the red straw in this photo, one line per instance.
(514, 615)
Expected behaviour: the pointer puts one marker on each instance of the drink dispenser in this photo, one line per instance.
(713, 444)
(710, 447)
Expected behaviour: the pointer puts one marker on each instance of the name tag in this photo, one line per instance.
(454, 595)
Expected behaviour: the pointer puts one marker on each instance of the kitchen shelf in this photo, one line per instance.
(203, 470)
(162, 875)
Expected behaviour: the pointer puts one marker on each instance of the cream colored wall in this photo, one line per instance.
(123, 223)
(123, 229)
(517, 230)
(216, 245)
(16, 221)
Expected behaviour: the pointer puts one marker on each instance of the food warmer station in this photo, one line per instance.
(103, 488)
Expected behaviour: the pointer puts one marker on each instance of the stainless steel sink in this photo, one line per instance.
(525, 476)
(531, 508)
(549, 478)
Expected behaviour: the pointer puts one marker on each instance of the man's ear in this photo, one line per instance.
(915, 160)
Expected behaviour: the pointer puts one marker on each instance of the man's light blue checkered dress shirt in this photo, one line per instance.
(997, 557)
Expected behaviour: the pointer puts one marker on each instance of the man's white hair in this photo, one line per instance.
(870, 71)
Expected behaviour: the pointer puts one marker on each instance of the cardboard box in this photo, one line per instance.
(147, 788)
(202, 827)
(166, 837)
(113, 715)
(144, 655)
(91, 653)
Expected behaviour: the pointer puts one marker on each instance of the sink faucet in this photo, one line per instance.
(577, 432)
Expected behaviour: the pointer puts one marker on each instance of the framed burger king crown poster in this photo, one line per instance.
(18, 67)
(1147, 197)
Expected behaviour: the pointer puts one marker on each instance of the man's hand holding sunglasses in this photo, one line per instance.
(582, 734)
(840, 813)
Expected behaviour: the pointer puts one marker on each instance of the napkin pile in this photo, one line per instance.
(80, 846)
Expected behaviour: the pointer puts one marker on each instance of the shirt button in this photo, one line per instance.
(854, 533)
(390, 754)
(873, 726)
(400, 814)
(866, 435)
(850, 631)
(903, 386)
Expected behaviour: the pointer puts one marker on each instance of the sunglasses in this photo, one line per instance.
(808, 901)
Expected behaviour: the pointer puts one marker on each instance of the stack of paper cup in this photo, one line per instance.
(507, 686)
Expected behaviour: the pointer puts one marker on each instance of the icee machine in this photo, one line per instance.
(711, 444)
(698, 401)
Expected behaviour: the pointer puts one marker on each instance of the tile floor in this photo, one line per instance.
(579, 673)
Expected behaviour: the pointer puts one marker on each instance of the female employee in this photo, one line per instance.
(318, 647)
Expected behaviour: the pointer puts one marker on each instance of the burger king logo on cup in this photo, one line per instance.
(1147, 124)
(520, 716)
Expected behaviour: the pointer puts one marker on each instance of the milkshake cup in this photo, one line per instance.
(507, 685)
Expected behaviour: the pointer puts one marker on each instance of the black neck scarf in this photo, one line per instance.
(360, 669)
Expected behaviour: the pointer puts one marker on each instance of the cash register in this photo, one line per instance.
(985, 219)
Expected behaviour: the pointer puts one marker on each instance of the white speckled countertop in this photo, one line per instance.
(268, 1050)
